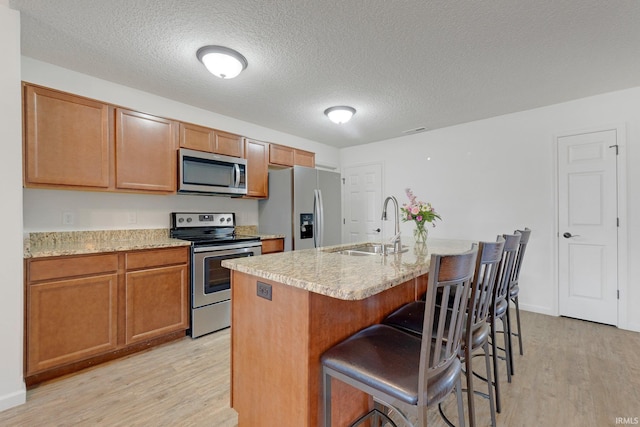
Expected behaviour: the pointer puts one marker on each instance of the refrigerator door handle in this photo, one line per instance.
(318, 222)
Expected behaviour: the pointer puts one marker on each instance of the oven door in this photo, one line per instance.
(212, 282)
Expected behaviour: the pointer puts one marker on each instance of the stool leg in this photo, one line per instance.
(494, 350)
(470, 396)
(492, 407)
(516, 302)
(326, 391)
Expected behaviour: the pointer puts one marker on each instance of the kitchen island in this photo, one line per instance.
(288, 308)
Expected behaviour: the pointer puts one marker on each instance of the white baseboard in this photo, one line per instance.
(537, 309)
(15, 398)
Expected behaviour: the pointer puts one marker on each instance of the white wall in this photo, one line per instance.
(492, 176)
(43, 209)
(12, 388)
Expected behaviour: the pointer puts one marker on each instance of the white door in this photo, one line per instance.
(362, 203)
(587, 225)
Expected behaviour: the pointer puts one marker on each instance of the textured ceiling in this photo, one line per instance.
(403, 64)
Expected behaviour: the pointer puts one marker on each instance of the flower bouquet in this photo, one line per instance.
(421, 213)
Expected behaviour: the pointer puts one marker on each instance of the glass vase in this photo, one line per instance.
(420, 234)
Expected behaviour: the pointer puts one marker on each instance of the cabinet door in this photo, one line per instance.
(280, 155)
(304, 158)
(228, 144)
(196, 137)
(146, 156)
(66, 139)
(70, 320)
(257, 155)
(157, 302)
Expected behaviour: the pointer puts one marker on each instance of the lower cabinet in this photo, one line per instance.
(81, 310)
(157, 295)
(270, 246)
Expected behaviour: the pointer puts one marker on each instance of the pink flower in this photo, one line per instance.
(415, 210)
(419, 218)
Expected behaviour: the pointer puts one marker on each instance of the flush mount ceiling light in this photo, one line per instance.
(221, 61)
(340, 114)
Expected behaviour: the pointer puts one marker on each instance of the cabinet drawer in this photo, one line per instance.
(157, 257)
(56, 268)
(272, 245)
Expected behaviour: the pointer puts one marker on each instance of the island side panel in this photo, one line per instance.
(276, 347)
(269, 354)
(333, 320)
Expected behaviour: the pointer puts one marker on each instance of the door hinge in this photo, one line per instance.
(344, 181)
(618, 293)
(617, 222)
(611, 146)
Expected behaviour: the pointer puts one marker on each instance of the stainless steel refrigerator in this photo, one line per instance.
(304, 204)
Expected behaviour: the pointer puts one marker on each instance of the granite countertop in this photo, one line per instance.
(326, 272)
(47, 244)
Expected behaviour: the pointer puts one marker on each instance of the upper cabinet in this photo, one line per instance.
(211, 140)
(304, 158)
(281, 155)
(257, 155)
(228, 144)
(66, 140)
(145, 152)
(72, 142)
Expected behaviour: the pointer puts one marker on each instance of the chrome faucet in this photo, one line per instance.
(397, 245)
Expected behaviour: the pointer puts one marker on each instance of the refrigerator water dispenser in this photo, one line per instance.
(306, 226)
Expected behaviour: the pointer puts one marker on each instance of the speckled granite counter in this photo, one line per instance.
(252, 230)
(47, 244)
(326, 272)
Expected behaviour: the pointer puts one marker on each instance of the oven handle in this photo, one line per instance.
(246, 245)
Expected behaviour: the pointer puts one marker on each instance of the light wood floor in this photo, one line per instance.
(573, 373)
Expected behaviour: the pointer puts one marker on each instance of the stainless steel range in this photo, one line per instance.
(213, 239)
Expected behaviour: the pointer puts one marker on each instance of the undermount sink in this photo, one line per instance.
(370, 249)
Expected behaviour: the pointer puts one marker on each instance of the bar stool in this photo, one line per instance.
(401, 371)
(499, 309)
(476, 329)
(514, 287)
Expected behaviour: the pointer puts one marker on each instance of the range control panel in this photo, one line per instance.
(195, 219)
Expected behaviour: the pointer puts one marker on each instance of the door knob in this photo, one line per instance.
(568, 235)
(377, 230)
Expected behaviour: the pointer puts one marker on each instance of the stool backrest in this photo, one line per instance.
(484, 280)
(509, 253)
(524, 240)
(451, 275)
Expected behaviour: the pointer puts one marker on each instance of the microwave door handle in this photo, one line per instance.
(236, 175)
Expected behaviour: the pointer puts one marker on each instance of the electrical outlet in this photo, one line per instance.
(68, 218)
(264, 290)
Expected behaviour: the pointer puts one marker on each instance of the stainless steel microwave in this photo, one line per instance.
(207, 173)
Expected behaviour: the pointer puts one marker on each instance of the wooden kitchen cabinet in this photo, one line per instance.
(304, 158)
(71, 309)
(156, 293)
(196, 137)
(145, 152)
(228, 144)
(270, 246)
(280, 155)
(210, 140)
(85, 309)
(66, 140)
(257, 155)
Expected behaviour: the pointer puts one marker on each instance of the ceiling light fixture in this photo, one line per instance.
(340, 114)
(221, 61)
